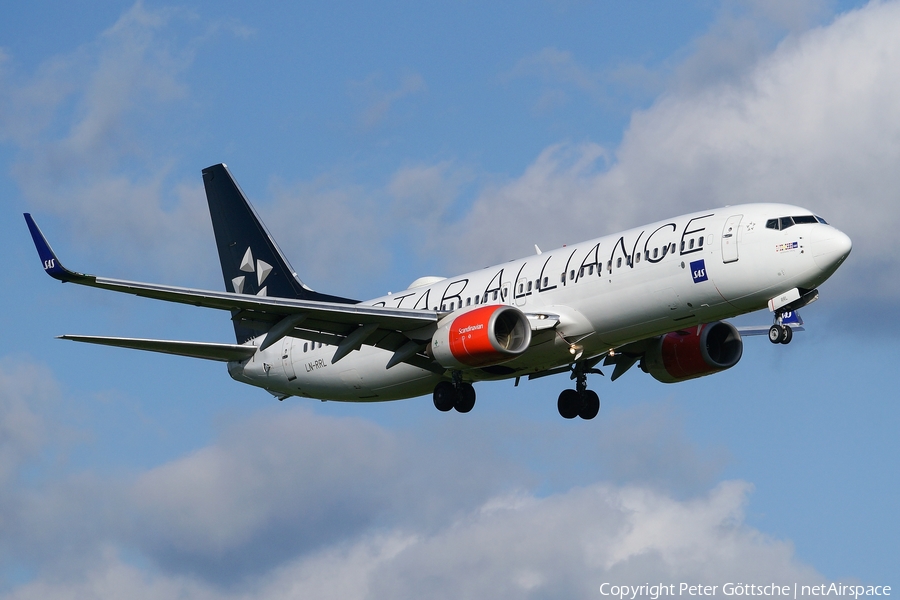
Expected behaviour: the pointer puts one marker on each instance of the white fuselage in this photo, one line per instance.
(607, 292)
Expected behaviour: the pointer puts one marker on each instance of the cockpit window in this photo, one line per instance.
(785, 222)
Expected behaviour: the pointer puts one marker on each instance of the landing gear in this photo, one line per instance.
(444, 396)
(466, 398)
(788, 335)
(573, 404)
(580, 402)
(458, 394)
(780, 334)
(569, 404)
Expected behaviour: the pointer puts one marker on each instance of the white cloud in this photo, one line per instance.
(565, 545)
(292, 503)
(79, 126)
(379, 101)
(26, 390)
(334, 234)
(816, 122)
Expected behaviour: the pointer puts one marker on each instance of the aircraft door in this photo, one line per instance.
(287, 361)
(730, 239)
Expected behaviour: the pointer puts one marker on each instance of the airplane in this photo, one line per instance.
(655, 295)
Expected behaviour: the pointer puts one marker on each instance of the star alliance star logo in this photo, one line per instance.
(261, 268)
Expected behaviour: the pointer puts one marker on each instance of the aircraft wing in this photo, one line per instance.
(328, 322)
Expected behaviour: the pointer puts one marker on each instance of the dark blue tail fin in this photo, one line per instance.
(251, 261)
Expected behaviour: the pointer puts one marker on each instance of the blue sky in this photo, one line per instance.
(383, 143)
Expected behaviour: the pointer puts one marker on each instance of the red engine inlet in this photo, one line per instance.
(480, 337)
(693, 353)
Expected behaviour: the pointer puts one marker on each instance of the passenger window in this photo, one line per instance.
(590, 269)
(691, 245)
(655, 252)
(581, 272)
(495, 296)
(521, 287)
(682, 245)
(476, 298)
(529, 286)
(609, 266)
(452, 305)
(700, 243)
(545, 282)
(305, 346)
(619, 262)
(572, 275)
(638, 256)
(562, 278)
(468, 301)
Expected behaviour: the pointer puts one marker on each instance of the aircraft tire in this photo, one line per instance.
(466, 398)
(775, 334)
(569, 404)
(590, 406)
(787, 335)
(445, 396)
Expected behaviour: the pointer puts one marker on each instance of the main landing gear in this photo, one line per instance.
(580, 402)
(458, 394)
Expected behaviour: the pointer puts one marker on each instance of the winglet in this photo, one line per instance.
(51, 263)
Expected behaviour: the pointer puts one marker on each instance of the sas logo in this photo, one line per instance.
(698, 271)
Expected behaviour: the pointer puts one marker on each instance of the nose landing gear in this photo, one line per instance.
(781, 332)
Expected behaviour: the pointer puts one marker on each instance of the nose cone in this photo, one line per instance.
(829, 247)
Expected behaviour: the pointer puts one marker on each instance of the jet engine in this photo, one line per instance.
(481, 337)
(695, 352)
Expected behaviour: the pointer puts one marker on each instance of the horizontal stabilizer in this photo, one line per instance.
(205, 350)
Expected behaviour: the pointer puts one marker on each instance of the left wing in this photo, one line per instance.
(346, 325)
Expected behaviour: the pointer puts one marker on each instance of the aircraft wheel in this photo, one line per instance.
(590, 406)
(466, 398)
(569, 404)
(787, 335)
(444, 396)
(775, 334)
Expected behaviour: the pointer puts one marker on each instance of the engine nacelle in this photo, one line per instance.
(481, 337)
(694, 352)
